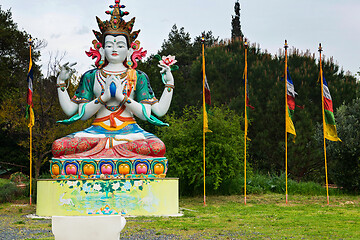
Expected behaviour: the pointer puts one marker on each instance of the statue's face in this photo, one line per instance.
(115, 48)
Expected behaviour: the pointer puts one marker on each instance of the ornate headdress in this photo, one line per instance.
(116, 25)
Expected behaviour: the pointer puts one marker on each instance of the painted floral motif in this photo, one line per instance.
(87, 187)
(104, 186)
(138, 183)
(156, 147)
(105, 211)
(68, 145)
(127, 186)
(116, 186)
(97, 187)
(168, 61)
(72, 183)
(117, 196)
(143, 149)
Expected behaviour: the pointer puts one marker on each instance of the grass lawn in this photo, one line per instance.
(226, 217)
(265, 216)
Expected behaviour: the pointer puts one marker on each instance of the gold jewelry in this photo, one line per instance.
(125, 100)
(121, 75)
(122, 139)
(116, 24)
(100, 101)
(169, 87)
(61, 86)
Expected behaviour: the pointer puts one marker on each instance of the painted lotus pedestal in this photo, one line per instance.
(113, 167)
(94, 197)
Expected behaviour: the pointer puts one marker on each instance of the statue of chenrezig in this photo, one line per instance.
(115, 145)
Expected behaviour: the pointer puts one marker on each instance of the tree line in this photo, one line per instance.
(224, 70)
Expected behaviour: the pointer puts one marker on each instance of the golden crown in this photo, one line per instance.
(116, 25)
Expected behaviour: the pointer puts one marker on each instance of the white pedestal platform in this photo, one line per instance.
(87, 227)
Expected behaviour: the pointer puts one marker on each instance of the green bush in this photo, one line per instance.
(344, 157)
(259, 184)
(3, 181)
(9, 192)
(19, 177)
(306, 188)
(224, 149)
(262, 184)
(232, 186)
(46, 175)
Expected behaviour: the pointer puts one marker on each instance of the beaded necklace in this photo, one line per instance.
(120, 74)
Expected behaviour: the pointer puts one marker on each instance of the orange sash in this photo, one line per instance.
(114, 115)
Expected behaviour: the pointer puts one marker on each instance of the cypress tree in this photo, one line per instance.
(235, 23)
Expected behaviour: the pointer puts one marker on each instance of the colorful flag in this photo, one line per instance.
(330, 126)
(290, 104)
(29, 107)
(207, 104)
(247, 101)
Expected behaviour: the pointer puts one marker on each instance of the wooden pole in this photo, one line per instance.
(30, 130)
(246, 122)
(286, 116)
(323, 116)
(204, 109)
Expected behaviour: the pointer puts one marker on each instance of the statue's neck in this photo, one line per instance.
(115, 67)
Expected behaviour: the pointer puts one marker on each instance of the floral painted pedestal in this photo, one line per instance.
(127, 197)
(151, 167)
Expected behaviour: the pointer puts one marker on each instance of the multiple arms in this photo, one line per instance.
(161, 108)
(70, 108)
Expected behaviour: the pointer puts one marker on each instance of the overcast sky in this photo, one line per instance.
(66, 24)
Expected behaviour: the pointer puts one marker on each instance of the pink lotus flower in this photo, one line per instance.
(168, 61)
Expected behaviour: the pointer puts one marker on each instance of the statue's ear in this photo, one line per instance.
(130, 53)
(102, 53)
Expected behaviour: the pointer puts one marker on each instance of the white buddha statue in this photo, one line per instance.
(114, 92)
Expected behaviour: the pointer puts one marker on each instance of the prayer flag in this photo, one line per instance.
(290, 104)
(247, 105)
(207, 104)
(330, 126)
(29, 107)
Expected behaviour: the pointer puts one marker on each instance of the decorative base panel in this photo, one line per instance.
(112, 168)
(134, 197)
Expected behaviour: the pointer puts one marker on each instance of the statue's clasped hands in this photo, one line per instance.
(66, 71)
(113, 86)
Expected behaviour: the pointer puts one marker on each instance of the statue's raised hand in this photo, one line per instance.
(65, 72)
(166, 72)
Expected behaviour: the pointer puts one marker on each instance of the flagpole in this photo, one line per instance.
(286, 113)
(204, 109)
(30, 130)
(246, 123)
(323, 116)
